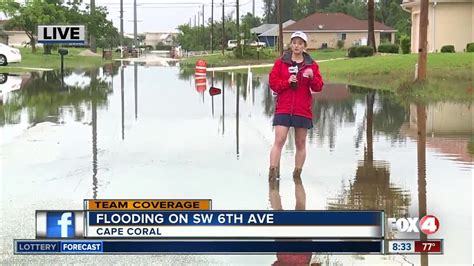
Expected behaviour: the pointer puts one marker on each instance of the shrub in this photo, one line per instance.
(340, 44)
(470, 47)
(360, 51)
(389, 48)
(448, 49)
(161, 46)
(405, 43)
(252, 52)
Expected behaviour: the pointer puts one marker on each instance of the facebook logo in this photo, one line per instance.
(60, 225)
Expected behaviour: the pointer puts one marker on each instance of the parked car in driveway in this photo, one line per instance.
(231, 44)
(9, 55)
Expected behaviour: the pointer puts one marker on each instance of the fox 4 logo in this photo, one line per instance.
(429, 224)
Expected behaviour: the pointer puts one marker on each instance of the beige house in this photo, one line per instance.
(324, 30)
(450, 23)
(17, 38)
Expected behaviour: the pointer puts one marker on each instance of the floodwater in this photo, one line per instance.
(148, 132)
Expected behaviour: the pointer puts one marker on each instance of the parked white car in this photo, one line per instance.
(231, 44)
(258, 44)
(8, 83)
(9, 55)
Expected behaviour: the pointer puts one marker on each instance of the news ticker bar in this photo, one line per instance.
(196, 247)
(148, 205)
(228, 218)
(410, 246)
(216, 224)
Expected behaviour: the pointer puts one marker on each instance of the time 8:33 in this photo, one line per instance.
(401, 246)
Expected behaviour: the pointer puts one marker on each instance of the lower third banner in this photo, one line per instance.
(196, 247)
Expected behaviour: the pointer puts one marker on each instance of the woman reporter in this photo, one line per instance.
(294, 76)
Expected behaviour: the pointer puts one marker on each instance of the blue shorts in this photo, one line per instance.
(292, 121)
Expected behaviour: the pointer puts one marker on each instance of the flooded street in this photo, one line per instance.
(147, 132)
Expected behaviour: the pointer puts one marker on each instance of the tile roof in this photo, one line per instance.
(334, 22)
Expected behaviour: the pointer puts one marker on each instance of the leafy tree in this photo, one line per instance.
(31, 14)
(391, 14)
(270, 11)
(102, 29)
(196, 38)
(248, 22)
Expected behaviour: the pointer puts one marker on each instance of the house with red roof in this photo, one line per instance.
(324, 30)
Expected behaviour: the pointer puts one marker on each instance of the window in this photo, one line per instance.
(341, 36)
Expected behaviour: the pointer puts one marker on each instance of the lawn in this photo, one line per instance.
(41, 60)
(447, 73)
(228, 59)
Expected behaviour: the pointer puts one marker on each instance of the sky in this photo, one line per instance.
(166, 15)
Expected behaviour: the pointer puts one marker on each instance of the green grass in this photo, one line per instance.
(41, 60)
(228, 59)
(449, 76)
(390, 72)
(326, 54)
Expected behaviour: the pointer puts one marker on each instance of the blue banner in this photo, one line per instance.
(227, 218)
(197, 247)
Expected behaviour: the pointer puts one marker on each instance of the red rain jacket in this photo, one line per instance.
(298, 101)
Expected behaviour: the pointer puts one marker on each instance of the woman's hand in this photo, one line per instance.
(292, 79)
(308, 73)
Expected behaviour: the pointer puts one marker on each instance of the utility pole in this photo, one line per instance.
(238, 27)
(194, 20)
(203, 31)
(121, 28)
(212, 26)
(280, 28)
(423, 41)
(92, 40)
(223, 29)
(253, 8)
(135, 23)
(371, 26)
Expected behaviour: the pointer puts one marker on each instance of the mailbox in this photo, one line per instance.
(63, 51)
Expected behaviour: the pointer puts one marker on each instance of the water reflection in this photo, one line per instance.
(135, 83)
(94, 138)
(421, 160)
(371, 188)
(451, 138)
(122, 102)
(223, 104)
(364, 138)
(284, 258)
(332, 107)
(44, 99)
(48, 97)
(237, 104)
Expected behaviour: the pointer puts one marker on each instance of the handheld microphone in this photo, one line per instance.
(293, 70)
